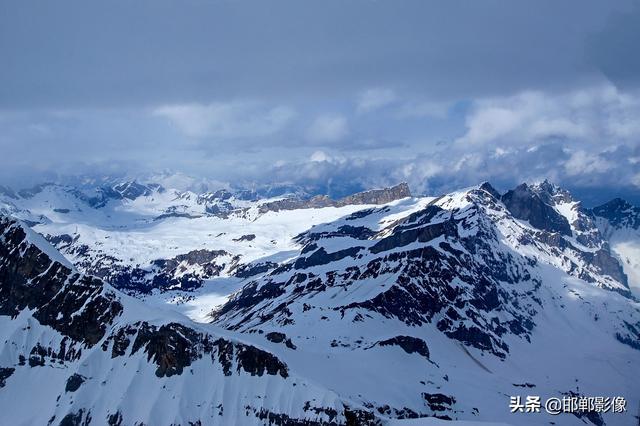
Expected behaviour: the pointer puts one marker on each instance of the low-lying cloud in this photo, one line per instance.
(231, 120)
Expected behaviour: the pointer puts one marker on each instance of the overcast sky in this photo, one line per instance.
(333, 94)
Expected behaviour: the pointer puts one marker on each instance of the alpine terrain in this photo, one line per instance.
(132, 303)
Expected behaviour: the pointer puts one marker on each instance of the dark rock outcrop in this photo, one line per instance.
(619, 213)
(377, 196)
(173, 347)
(374, 196)
(321, 257)
(73, 304)
(5, 373)
(253, 269)
(277, 337)
(83, 309)
(408, 344)
(74, 382)
(438, 402)
(525, 204)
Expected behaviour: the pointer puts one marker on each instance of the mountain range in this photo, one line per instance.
(133, 303)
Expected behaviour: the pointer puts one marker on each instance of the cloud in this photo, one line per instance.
(586, 116)
(376, 98)
(319, 156)
(230, 120)
(586, 139)
(328, 128)
(425, 109)
(132, 55)
(582, 162)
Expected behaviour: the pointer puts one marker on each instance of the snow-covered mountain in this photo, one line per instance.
(619, 221)
(83, 353)
(482, 293)
(302, 310)
(141, 237)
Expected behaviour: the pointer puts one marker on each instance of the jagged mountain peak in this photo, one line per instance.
(551, 193)
(486, 186)
(619, 213)
(528, 203)
(132, 189)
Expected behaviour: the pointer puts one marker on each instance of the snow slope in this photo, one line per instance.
(452, 308)
(77, 352)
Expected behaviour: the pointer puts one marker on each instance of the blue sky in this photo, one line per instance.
(335, 95)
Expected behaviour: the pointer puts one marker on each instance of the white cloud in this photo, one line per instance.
(230, 120)
(591, 115)
(420, 170)
(319, 156)
(582, 162)
(328, 128)
(376, 98)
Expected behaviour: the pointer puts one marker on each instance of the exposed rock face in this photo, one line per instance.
(277, 337)
(81, 308)
(357, 232)
(456, 278)
(439, 403)
(74, 382)
(525, 204)
(541, 204)
(185, 271)
(253, 269)
(69, 302)
(375, 196)
(486, 186)
(619, 213)
(173, 346)
(321, 257)
(408, 344)
(5, 373)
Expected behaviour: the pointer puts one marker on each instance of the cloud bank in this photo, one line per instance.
(334, 96)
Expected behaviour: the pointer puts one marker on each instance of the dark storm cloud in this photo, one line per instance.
(79, 53)
(615, 51)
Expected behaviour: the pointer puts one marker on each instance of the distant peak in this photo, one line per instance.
(551, 193)
(534, 204)
(487, 187)
(378, 196)
(620, 213)
(619, 203)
